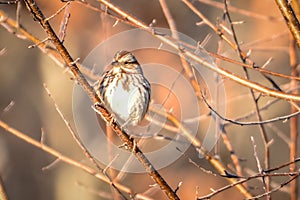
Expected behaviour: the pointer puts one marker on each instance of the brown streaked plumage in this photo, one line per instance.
(124, 89)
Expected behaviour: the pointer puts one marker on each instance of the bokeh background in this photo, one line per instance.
(23, 72)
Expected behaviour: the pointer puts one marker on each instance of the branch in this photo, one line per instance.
(130, 143)
(290, 19)
(280, 118)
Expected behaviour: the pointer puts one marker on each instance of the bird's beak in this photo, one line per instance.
(114, 62)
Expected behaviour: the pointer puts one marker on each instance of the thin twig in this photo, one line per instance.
(259, 167)
(52, 164)
(57, 12)
(64, 23)
(282, 165)
(280, 118)
(8, 107)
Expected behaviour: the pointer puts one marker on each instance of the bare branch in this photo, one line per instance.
(290, 18)
(39, 16)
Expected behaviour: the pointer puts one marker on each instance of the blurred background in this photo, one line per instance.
(25, 170)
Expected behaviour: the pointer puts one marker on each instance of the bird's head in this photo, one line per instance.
(126, 62)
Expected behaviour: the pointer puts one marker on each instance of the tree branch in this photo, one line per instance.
(130, 143)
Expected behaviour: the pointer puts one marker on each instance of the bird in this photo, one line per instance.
(124, 90)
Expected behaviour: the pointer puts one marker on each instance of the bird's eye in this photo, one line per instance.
(126, 62)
